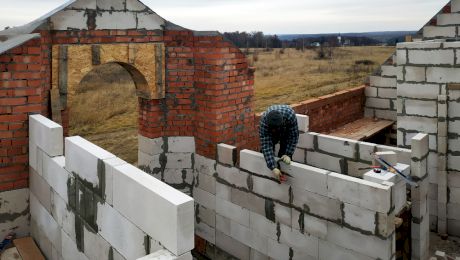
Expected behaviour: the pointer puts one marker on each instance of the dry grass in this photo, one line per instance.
(104, 109)
(296, 76)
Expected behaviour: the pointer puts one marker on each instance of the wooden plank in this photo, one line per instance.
(28, 249)
(362, 129)
(63, 73)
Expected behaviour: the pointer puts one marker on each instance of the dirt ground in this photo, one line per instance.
(451, 246)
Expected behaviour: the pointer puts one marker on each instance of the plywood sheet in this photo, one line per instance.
(28, 249)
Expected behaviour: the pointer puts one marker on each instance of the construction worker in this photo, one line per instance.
(278, 124)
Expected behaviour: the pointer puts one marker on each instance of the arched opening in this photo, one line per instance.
(104, 108)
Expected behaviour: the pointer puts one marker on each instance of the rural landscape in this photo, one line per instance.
(104, 108)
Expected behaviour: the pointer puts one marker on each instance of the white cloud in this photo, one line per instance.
(269, 16)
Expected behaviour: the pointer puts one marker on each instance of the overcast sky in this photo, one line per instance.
(269, 16)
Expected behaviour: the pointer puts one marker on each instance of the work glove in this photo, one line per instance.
(277, 173)
(286, 159)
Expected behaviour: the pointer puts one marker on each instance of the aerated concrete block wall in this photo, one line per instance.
(316, 214)
(428, 101)
(89, 204)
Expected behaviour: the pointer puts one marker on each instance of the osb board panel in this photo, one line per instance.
(140, 57)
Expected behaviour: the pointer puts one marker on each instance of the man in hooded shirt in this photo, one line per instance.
(278, 124)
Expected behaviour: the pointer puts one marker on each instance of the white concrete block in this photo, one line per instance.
(370, 91)
(223, 191)
(205, 165)
(448, 19)
(388, 156)
(378, 103)
(442, 75)
(453, 178)
(232, 246)
(453, 211)
(149, 162)
(283, 214)
(95, 247)
(278, 250)
(204, 198)
(436, 31)
(425, 91)
(383, 82)
(365, 150)
(254, 162)
(110, 165)
(63, 216)
(336, 145)
(204, 182)
(401, 56)
(45, 221)
(262, 225)
(116, 229)
(83, 4)
(299, 156)
(414, 74)
(83, 158)
(303, 121)
(270, 189)
(357, 169)
(150, 146)
(66, 19)
(173, 225)
(306, 177)
(360, 218)
(419, 146)
(116, 20)
(69, 249)
(15, 202)
(248, 201)
(256, 255)
(455, 6)
(134, 5)
(232, 211)
(149, 21)
(387, 92)
(41, 189)
(328, 251)
(205, 231)
(166, 255)
(46, 134)
(391, 71)
(368, 245)
(421, 124)
(179, 160)
(324, 161)
(233, 176)
(223, 224)
(111, 5)
(205, 215)
(226, 154)
(56, 176)
(293, 238)
(454, 195)
(244, 235)
(386, 114)
(181, 144)
(319, 205)
(306, 140)
(431, 57)
(311, 225)
(421, 108)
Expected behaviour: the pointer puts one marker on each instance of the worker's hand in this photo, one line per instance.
(277, 173)
(286, 159)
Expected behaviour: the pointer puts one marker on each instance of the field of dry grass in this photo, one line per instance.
(296, 76)
(104, 109)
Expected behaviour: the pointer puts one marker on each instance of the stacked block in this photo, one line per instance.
(316, 214)
(90, 204)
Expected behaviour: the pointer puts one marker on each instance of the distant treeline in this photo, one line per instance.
(259, 40)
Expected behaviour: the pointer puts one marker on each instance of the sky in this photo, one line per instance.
(268, 16)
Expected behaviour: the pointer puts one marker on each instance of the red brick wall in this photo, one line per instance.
(23, 80)
(331, 111)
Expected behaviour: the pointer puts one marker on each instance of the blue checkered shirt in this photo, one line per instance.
(288, 137)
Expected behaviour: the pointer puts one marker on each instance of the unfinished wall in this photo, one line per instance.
(428, 101)
(333, 111)
(89, 204)
(242, 211)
